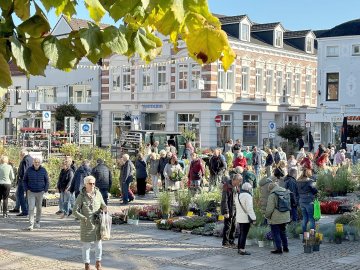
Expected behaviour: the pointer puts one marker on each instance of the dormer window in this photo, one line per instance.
(309, 44)
(278, 38)
(245, 32)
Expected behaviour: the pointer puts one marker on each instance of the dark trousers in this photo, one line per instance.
(105, 195)
(141, 186)
(244, 230)
(127, 195)
(278, 232)
(162, 180)
(4, 195)
(294, 214)
(21, 197)
(229, 230)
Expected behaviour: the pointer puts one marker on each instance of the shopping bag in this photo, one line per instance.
(105, 229)
(317, 210)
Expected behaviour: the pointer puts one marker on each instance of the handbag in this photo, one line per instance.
(250, 219)
(105, 227)
(317, 210)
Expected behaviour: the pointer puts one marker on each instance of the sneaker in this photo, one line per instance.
(285, 249)
(30, 228)
(14, 211)
(278, 251)
(59, 212)
(244, 253)
(21, 215)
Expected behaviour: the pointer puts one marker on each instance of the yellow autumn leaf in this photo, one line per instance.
(228, 57)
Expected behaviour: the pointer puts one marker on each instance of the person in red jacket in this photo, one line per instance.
(240, 160)
(196, 173)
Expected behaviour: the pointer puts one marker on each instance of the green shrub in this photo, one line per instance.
(346, 218)
(165, 202)
(53, 167)
(183, 197)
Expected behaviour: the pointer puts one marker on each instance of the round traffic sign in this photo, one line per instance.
(86, 127)
(218, 119)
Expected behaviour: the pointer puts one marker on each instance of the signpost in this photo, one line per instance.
(86, 132)
(46, 116)
(218, 120)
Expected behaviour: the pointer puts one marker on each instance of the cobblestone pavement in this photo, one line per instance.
(56, 246)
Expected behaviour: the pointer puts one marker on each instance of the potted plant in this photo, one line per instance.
(133, 215)
(317, 241)
(260, 236)
(183, 198)
(338, 236)
(165, 204)
(309, 240)
(299, 231)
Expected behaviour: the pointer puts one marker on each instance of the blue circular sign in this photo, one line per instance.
(272, 125)
(46, 115)
(86, 127)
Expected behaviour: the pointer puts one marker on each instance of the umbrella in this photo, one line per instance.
(344, 133)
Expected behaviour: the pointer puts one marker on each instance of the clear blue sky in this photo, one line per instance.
(293, 14)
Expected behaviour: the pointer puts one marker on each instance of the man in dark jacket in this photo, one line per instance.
(311, 142)
(63, 185)
(217, 167)
(103, 178)
(301, 143)
(256, 161)
(290, 184)
(36, 183)
(126, 177)
(230, 189)
(78, 181)
(26, 162)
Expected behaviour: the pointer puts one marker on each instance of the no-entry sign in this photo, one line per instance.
(218, 119)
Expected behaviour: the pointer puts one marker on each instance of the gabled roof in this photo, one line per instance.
(350, 28)
(296, 34)
(265, 26)
(232, 19)
(77, 24)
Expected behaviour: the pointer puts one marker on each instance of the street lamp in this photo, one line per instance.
(10, 120)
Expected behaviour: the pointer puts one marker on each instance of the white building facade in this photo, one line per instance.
(338, 84)
(271, 83)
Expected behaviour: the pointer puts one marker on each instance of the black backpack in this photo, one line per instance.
(284, 200)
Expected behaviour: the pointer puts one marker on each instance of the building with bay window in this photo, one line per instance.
(338, 84)
(272, 80)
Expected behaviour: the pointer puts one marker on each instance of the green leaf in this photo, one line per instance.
(66, 7)
(6, 4)
(35, 26)
(96, 10)
(5, 49)
(123, 7)
(21, 53)
(91, 39)
(115, 39)
(5, 78)
(38, 60)
(59, 54)
(147, 45)
(49, 4)
(22, 8)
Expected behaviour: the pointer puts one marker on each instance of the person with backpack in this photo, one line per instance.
(231, 188)
(278, 215)
(307, 191)
(78, 181)
(290, 184)
(103, 177)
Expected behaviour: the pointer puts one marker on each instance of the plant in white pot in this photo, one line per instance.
(133, 215)
(261, 236)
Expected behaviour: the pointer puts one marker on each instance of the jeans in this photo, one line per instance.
(65, 197)
(268, 171)
(86, 248)
(354, 159)
(278, 232)
(4, 195)
(229, 230)
(35, 200)
(125, 192)
(244, 229)
(293, 213)
(307, 210)
(17, 203)
(215, 180)
(22, 199)
(105, 195)
(257, 171)
(154, 179)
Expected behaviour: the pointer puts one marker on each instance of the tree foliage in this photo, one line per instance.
(291, 132)
(67, 110)
(31, 47)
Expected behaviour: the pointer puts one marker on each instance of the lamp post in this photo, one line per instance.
(10, 120)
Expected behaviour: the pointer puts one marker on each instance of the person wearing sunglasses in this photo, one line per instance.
(87, 205)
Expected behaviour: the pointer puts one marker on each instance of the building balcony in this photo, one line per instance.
(33, 106)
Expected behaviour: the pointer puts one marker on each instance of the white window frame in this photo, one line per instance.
(269, 81)
(146, 78)
(162, 83)
(195, 71)
(225, 79)
(122, 80)
(295, 119)
(297, 78)
(308, 85)
(85, 97)
(183, 76)
(259, 80)
(51, 99)
(279, 81)
(278, 39)
(332, 51)
(245, 32)
(245, 78)
(195, 125)
(288, 83)
(309, 45)
(253, 119)
(355, 49)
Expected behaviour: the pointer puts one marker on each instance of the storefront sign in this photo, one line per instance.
(152, 106)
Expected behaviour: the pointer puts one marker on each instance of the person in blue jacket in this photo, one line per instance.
(141, 175)
(36, 183)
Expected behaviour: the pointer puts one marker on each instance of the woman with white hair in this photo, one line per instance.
(6, 178)
(240, 160)
(126, 177)
(244, 212)
(88, 203)
(154, 172)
